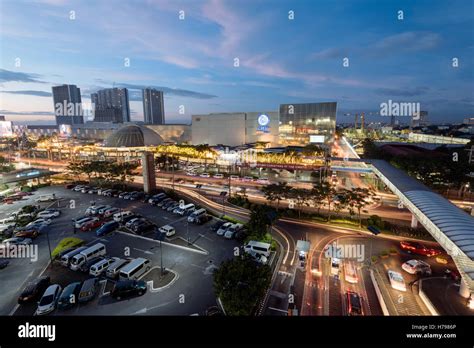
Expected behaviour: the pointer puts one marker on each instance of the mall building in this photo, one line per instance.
(293, 125)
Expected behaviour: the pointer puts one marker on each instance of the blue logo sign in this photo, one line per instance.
(263, 121)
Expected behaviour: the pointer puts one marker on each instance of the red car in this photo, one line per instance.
(419, 249)
(354, 303)
(90, 225)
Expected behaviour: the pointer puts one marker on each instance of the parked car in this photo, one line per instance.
(205, 175)
(101, 211)
(100, 267)
(217, 225)
(232, 230)
(113, 270)
(107, 228)
(419, 249)
(94, 209)
(49, 213)
(28, 232)
(48, 301)
(122, 194)
(91, 224)
(142, 226)
(129, 218)
(85, 189)
(417, 267)
(17, 241)
(33, 290)
(83, 221)
(218, 176)
(78, 188)
(110, 212)
(69, 296)
(167, 230)
(168, 204)
(119, 216)
(126, 288)
(173, 206)
(88, 290)
(85, 267)
(164, 201)
(396, 280)
(132, 221)
(39, 221)
(157, 198)
(93, 190)
(223, 229)
(136, 196)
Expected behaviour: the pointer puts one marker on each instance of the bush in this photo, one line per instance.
(233, 220)
(374, 258)
(3, 187)
(66, 243)
(393, 251)
(384, 253)
(26, 189)
(376, 221)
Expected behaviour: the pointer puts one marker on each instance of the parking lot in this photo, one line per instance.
(192, 254)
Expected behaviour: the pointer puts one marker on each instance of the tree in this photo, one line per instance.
(327, 191)
(240, 283)
(261, 217)
(317, 197)
(300, 196)
(276, 192)
(357, 198)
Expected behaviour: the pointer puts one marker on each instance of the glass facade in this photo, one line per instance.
(301, 124)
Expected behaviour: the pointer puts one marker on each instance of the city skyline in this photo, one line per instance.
(281, 60)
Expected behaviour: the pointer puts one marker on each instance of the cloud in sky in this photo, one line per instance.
(407, 41)
(280, 60)
(15, 76)
(27, 113)
(30, 92)
(168, 90)
(408, 92)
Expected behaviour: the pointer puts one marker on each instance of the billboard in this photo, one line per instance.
(65, 130)
(316, 139)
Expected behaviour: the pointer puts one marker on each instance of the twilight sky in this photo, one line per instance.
(281, 60)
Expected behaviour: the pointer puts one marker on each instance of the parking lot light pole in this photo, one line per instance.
(49, 245)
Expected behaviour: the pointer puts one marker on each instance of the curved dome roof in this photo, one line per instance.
(133, 136)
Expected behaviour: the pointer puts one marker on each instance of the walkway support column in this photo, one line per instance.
(414, 221)
(464, 290)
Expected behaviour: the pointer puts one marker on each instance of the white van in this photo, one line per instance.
(46, 198)
(135, 269)
(185, 209)
(196, 214)
(115, 267)
(99, 267)
(66, 258)
(121, 215)
(258, 248)
(168, 230)
(85, 255)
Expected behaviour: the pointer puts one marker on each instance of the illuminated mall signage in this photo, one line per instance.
(263, 122)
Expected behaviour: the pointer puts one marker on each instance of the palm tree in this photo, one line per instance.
(327, 191)
(275, 192)
(359, 198)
